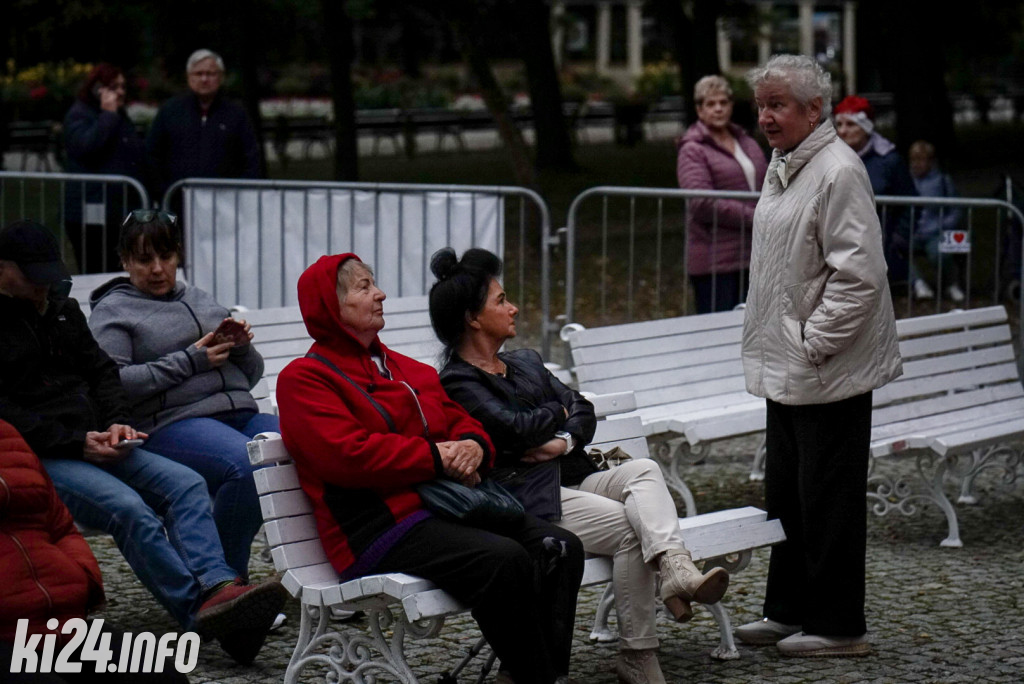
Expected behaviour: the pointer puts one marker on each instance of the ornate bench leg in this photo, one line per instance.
(757, 467)
(727, 648)
(1001, 457)
(734, 563)
(601, 632)
(898, 495)
(669, 455)
(348, 654)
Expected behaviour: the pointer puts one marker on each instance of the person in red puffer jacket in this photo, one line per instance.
(49, 570)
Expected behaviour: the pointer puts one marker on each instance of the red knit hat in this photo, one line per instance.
(858, 110)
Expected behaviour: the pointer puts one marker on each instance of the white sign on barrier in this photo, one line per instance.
(249, 246)
(955, 242)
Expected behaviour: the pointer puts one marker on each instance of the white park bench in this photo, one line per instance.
(280, 336)
(960, 394)
(957, 410)
(688, 380)
(405, 605)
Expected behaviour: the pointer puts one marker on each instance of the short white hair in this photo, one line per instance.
(804, 76)
(199, 55)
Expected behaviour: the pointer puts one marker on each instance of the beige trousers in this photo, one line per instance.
(626, 513)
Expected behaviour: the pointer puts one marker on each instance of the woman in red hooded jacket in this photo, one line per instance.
(365, 425)
(49, 571)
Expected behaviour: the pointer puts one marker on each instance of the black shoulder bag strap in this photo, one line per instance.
(373, 402)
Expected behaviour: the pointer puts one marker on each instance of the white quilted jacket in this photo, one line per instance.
(819, 323)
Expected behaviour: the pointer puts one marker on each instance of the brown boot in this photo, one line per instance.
(639, 666)
(682, 582)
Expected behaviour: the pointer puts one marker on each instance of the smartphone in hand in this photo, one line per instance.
(129, 443)
(231, 330)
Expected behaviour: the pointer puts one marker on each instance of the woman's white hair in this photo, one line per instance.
(199, 56)
(708, 85)
(804, 76)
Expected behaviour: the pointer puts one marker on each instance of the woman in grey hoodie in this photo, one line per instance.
(190, 390)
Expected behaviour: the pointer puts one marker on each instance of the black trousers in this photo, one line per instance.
(522, 584)
(88, 673)
(815, 483)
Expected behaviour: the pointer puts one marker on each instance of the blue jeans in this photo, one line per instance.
(215, 448)
(178, 558)
(929, 246)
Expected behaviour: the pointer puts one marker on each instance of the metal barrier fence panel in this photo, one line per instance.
(247, 242)
(626, 253)
(84, 211)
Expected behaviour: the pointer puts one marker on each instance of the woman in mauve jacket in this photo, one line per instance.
(716, 154)
(365, 425)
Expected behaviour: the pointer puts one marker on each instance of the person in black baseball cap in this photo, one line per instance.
(30, 263)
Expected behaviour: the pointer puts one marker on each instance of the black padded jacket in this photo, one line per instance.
(56, 384)
(524, 409)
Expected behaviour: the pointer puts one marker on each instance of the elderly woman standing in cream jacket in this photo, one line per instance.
(819, 335)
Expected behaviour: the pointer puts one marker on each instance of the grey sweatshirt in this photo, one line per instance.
(152, 340)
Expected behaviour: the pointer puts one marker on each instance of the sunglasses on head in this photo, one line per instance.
(147, 215)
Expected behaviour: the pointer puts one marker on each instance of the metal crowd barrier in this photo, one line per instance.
(247, 242)
(79, 208)
(625, 256)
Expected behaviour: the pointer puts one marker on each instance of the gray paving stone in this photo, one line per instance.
(935, 615)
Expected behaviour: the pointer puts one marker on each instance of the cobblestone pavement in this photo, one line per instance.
(934, 614)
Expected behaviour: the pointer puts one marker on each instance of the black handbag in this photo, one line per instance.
(486, 505)
(538, 487)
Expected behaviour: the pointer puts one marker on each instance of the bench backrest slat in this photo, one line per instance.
(883, 414)
(670, 360)
(927, 325)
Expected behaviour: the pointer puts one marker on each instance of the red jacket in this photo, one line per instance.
(358, 473)
(48, 569)
(703, 165)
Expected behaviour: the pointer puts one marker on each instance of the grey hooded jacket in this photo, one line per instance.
(819, 324)
(152, 340)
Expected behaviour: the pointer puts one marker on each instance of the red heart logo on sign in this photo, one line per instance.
(959, 237)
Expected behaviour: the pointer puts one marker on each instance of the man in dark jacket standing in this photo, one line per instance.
(63, 394)
(201, 133)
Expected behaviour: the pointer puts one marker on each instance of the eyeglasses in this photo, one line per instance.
(204, 74)
(147, 215)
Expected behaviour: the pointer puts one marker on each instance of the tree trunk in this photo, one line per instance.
(468, 36)
(694, 43)
(533, 30)
(923, 109)
(250, 55)
(670, 13)
(338, 29)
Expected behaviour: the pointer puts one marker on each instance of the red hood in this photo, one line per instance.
(318, 300)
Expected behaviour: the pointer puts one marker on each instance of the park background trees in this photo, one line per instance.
(905, 48)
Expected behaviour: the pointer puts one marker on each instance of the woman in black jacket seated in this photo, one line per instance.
(532, 418)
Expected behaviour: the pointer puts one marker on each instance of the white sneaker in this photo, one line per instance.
(764, 632)
(922, 290)
(813, 646)
(955, 294)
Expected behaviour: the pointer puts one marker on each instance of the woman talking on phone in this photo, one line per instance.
(100, 138)
(188, 368)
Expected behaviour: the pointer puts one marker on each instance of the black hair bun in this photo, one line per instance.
(443, 263)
